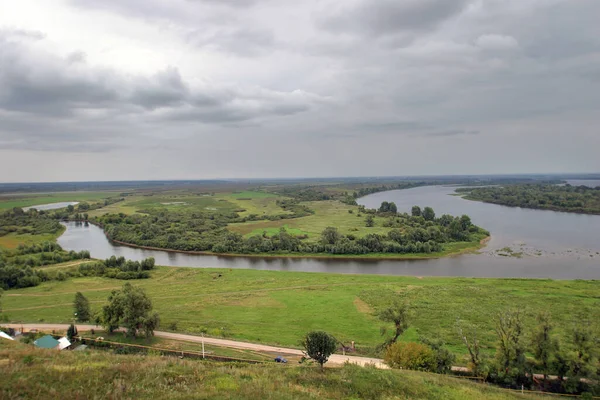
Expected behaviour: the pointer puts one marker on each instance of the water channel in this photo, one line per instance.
(549, 244)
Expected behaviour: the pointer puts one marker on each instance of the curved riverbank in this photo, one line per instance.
(471, 247)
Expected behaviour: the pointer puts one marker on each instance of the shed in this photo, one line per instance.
(5, 336)
(47, 342)
(63, 343)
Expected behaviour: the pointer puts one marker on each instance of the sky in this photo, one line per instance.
(203, 89)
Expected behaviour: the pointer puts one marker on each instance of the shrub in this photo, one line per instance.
(414, 356)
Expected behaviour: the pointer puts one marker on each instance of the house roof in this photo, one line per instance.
(63, 343)
(46, 342)
(5, 336)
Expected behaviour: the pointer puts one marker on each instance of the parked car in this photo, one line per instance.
(280, 359)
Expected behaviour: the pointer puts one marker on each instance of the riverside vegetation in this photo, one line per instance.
(578, 199)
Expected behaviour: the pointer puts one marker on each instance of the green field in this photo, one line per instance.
(13, 240)
(47, 374)
(26, 200)
(277, 307)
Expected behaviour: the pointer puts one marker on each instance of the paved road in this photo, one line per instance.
(334, 359)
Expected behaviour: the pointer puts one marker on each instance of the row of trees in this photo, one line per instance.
(580, 199)
(575, 364)
(119, 268)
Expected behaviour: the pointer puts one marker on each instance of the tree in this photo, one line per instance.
(330, 235)
(71, 332)
(416, 211)
(428, 214)
(370, 221)
(444, 358)
(414, 356)
(510, 349)
(319, 345)
(131, 307)
(544, 346)
(584, 346)
(70, 208)
(82, 307)
(471, 342)
(397, 314)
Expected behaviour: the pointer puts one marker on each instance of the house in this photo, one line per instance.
(47, 342)
(5, 336)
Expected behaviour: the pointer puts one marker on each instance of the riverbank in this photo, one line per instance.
(451, 249)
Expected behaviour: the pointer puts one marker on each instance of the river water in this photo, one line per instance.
(551, 244)
(52, 206)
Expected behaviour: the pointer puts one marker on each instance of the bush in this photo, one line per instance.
(413, 356)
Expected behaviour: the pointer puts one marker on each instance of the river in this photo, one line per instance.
(553, 244)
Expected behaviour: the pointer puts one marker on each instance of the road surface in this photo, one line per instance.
(333, 359)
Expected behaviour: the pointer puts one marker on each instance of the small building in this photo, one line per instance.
(47, 342)
(63, 343)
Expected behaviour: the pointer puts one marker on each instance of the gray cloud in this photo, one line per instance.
(246, 42)
(255, 83)
(391, 16)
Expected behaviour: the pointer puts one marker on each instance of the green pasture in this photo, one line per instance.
(26, 200)
(276, 307)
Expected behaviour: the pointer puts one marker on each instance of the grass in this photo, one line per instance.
(13, 240)
(48, 374)
(26, 200)
(277, 307)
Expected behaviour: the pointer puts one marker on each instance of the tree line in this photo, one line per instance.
(579, 199)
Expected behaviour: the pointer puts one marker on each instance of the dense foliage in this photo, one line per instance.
(31, 222)
(118, 268)
(199, 231)
(579, 199)
(131, 308)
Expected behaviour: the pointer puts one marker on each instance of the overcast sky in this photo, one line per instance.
(194, 89)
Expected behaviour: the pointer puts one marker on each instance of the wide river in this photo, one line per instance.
(552, 244)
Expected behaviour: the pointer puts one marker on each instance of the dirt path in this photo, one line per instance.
(334, 359)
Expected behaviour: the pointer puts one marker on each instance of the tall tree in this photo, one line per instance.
(319, 345)
(132, 308)
(510, 349)
(398, 314)
(369, 221)
(428, 214)
(585, 350)
(416, 211)
(330, 235)
(471, 342)
(82, 307)
(544, 345)
(71, 332)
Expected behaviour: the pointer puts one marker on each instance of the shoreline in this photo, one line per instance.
(372, 256)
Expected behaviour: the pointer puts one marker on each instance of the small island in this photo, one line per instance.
(567, 198)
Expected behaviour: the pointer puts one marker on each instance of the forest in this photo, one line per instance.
(577, 199)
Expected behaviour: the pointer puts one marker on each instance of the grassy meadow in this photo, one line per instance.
(26, 200)
(276, 307)
(47, 374)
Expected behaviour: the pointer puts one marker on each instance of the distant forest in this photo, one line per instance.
(577, 199)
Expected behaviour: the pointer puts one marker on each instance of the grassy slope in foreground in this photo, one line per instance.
(277, 307)
(47, 374)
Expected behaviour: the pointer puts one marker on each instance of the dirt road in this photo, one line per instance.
(334, 359)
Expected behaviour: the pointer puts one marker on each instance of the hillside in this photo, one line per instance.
(42, 374)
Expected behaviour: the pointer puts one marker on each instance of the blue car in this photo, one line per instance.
(280, 359)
